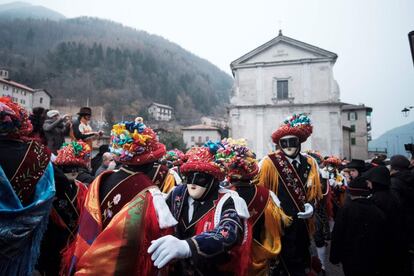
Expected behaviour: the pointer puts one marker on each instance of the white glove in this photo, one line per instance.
(167, 248)
(332, 182)
(308, 212)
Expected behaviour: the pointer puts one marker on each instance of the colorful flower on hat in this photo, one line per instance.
(316, 155)
(175, 156)
(14, 119)
(239, 159)
(135, 143)
(75, 153)
(205, 159)
(298, 125)
(332, 160)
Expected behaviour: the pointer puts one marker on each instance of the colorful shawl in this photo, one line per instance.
(22, 228)
(120, 248)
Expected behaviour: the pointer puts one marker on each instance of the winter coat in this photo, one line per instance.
(394, 243)
(357, 238)
(55, 131)
(402, 187)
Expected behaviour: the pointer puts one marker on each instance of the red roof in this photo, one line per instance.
(16, 84)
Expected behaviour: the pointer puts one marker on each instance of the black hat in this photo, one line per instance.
(359, 187)
(356, 164)
(85, 111)
(400, 162)
(379, 175)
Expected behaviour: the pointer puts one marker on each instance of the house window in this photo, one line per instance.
(41, 100)
(200, 139)
(352, 116)
(353, 141)
(192, 138)
(207, 138)
(352, 128)
(282, 89)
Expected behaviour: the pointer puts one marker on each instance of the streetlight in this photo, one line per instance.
(411, 40)
(406, 110)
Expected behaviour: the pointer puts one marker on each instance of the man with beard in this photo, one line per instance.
(208, 238)
(294, 178)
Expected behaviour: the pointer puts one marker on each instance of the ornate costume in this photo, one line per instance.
(67, 205)
(294, 178)
(209, 233)
(124, 210)
(26, 191)
(267, 220)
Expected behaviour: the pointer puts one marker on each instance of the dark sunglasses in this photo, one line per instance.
(292, 142)
(199, 179)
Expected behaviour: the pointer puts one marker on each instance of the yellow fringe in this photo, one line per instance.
(169, 183)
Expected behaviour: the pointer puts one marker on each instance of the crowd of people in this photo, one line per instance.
(137, 209)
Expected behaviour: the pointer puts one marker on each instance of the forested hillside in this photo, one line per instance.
(116, 66)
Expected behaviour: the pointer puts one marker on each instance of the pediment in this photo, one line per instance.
(282, 49)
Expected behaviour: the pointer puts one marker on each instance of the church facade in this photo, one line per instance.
(279, 78)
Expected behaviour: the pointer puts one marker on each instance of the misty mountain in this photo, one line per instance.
(25, 10)
(395, 139)
(115, 66)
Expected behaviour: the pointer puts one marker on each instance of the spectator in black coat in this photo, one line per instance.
(358, 234)
(378, 179)
(97, 159)
(402, 187)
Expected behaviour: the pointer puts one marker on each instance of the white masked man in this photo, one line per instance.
(294, 178)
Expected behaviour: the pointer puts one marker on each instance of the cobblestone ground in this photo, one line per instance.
(333, 270)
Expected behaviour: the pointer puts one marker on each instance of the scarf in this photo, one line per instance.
(22, 228)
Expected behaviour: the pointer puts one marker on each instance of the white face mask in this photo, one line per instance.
(330, 168)
(111, 165)
(287, 147)
(71, 175)
(195, 191)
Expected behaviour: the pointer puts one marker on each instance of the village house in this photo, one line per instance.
(197, 135)
(160, 112)
(22, 94)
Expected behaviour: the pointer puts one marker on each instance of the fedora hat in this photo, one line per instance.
(85, 111)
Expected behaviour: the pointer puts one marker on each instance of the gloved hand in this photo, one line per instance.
(308, 212)
(332, 182)
(167, 248)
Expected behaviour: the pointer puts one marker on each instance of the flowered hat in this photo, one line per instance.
(75, 153)
(175, 156)
(240, 160)
(332, 160)
(316, 155)
(133, 143)
(14, 119)
(203, 159)
(298, 125)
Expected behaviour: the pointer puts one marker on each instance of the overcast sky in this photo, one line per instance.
(374, 66)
